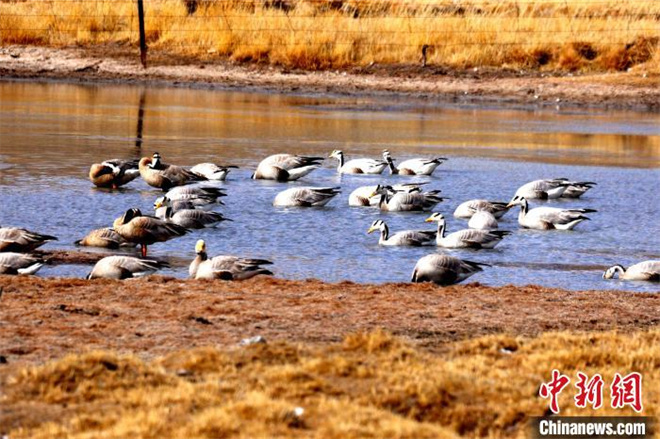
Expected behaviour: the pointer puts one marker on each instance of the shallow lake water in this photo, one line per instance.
(51, 133)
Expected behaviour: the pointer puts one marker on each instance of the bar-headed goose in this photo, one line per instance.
(146, 230)
(397, 201)
(466, 238)
(14, 239)
(225, 267)
(647, 270)
(483, 220)
(164, 176)
(418, 166)
(576, 189)
(286, 167)
(405, 237)
(444, 269)
(198, 196)
(305, 196)
(211, 171)
(19, 263)
(113, 173)
(546, 218)
(189, 218)
(364, 195)
(467, 209)
(104, 238)
(543, 189)
(124, 267)
(357, 166)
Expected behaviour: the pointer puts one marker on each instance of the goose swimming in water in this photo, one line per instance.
(418, 166)
(647, 270)
(483, 220)
(113, 173)
(364, 195)
(405, 237)
(201, 197)
(543, 189)
(286, 167)
(14, 239)
(576, 189)
(124, 267)
(357, 166)
(225, 267)
(396, 201)
(466, 238)
(547, 218)
(306, 196)
(19, 263)
(444, 270)
(211, 171)
(190, 218)
(467, 209)
(164, 176)
(146, 230)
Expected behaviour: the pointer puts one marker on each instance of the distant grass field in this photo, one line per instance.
(545, 35)
(371, 385)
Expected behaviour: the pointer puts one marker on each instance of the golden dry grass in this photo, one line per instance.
(370, 385)
(582, 35)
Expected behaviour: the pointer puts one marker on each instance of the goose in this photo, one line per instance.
(396, 201)
(543, 189)
(306, 196)
(363, 196)
(357, 166)
(197, 196)
(418, 166)
(163, 176)
(124, 267)
(113, 173)
(467, 209)
(14, 239)
(19, 263)
(189, 218)
(576, 189)
(211, 171)
(225, 267)
(285, 167)
(444, 269)
(104, 238)
(406, 237)
(466, 238)
(647, 270)
(145, 230)
(483, 220)
(546, 218)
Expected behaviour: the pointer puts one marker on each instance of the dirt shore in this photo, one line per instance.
(42, 319)
(635, 90)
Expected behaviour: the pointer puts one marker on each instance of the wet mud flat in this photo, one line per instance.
(42, 319)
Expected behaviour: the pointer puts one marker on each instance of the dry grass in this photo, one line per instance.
(548, 35)
(370, 385)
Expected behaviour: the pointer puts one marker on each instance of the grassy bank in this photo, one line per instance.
(369, 385)
(546, 35)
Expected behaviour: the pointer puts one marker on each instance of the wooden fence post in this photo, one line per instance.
(143, 37)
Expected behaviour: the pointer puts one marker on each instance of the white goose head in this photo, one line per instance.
(377, 225)
(436, 217)
(518, 201)
(337, 154)
(610, 272)
(155, 160)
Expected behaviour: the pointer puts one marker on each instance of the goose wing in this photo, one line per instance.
(196, 219)
(558, 216)
(21, 240)
(413, 201)
(478, 238)
(236, 268)
(412, 237)
(290, 161)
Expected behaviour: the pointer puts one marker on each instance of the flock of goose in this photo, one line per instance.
(187, 204)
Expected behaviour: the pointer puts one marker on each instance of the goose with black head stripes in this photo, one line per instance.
(417, 166)
(548, 218)
(405, 237)
(466, 238)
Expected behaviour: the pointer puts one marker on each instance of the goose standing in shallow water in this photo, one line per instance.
(417, 166)
(647, 270)
(14, 239)
(211, 171)
(286, 167)
(405, 237)
(547, 218)
(124, 267)
(467, 209)
(483, 220)
(444, 269)
(113, 173)
(466, 238)
(357, 166)
(164, 176)
(397, 201)
(225, 267)
(19, 263)
(305, 196)
(146, 230)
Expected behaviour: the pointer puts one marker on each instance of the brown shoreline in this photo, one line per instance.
(432, 84)
(42, 319)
